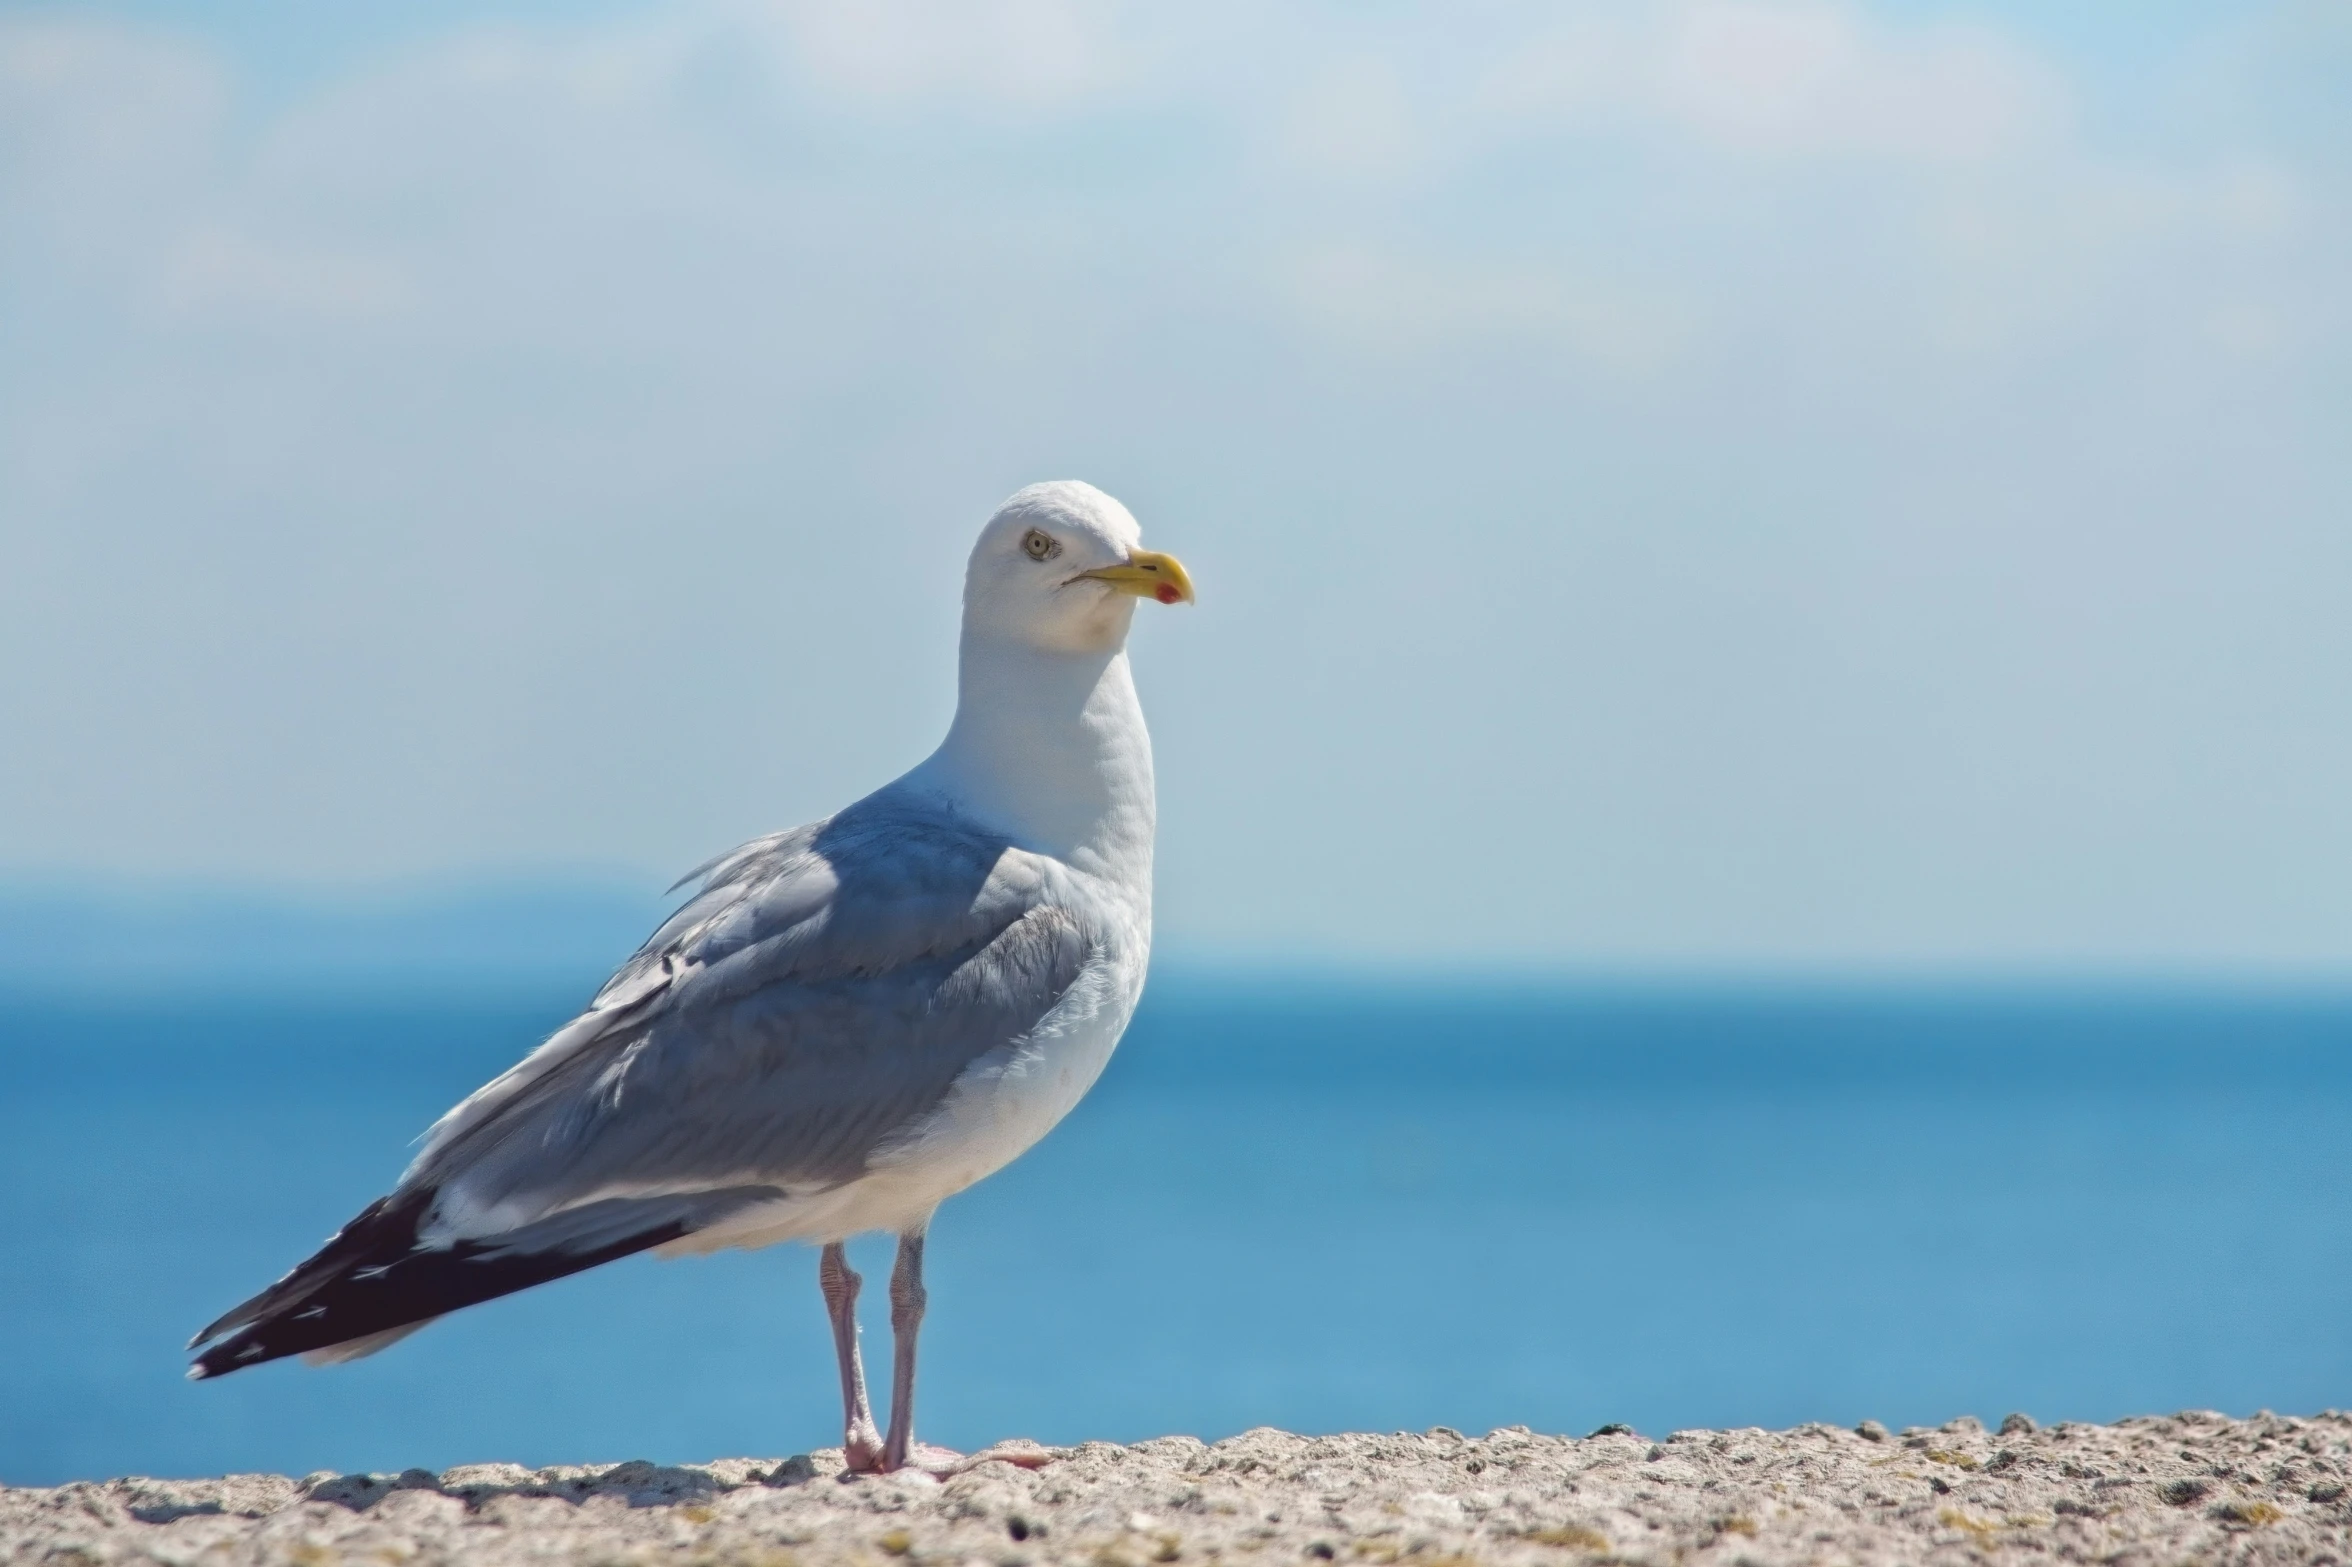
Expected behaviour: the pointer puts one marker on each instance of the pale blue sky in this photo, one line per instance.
(1770, 485)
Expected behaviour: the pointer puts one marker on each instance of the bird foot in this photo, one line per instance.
(945, 1463)
(937, 1462)
(861, 1449)
(1020, 1452)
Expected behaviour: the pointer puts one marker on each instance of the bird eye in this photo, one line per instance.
(1037, 544)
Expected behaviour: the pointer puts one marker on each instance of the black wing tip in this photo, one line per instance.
(224, 1324)
(377, 1276)
(385, 1228)
(208, 1362)
(234, 1354)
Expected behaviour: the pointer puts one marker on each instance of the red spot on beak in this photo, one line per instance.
(1166, 593)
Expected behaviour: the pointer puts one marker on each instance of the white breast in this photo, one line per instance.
(1011, 1097)
(995, 1112)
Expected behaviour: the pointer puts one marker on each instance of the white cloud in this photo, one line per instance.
(1397, 305)
(1352, 121)
(213, 271)
(1811, 78)
(1788, 78)
(105, 133)
(97, 99)
(1028, 57)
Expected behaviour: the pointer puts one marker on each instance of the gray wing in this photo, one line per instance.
(820, 994)
(817, 997)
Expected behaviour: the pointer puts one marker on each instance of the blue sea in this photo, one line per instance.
(1321, 1206)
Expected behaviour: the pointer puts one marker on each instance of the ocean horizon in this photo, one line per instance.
(1316, 1204)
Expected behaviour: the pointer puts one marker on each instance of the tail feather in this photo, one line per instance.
(377, 1281)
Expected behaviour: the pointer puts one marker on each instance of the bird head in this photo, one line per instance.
(1059, 568)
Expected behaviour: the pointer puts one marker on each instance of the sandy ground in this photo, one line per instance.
(2158, 1491)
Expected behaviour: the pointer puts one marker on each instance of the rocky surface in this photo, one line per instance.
(2190, 1487)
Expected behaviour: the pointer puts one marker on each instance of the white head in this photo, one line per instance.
(1059, 568)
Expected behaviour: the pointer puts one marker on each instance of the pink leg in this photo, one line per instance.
(900, 1449)
(907, 1300)
(861, 1444)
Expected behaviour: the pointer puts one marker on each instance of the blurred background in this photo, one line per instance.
(1752, 816)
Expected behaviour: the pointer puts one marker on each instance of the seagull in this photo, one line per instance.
(843, 1026)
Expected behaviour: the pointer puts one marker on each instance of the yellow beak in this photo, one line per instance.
(1148, 575)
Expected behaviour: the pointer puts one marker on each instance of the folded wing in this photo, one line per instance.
(816, 998)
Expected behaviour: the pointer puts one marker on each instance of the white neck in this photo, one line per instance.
(1049, 748)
